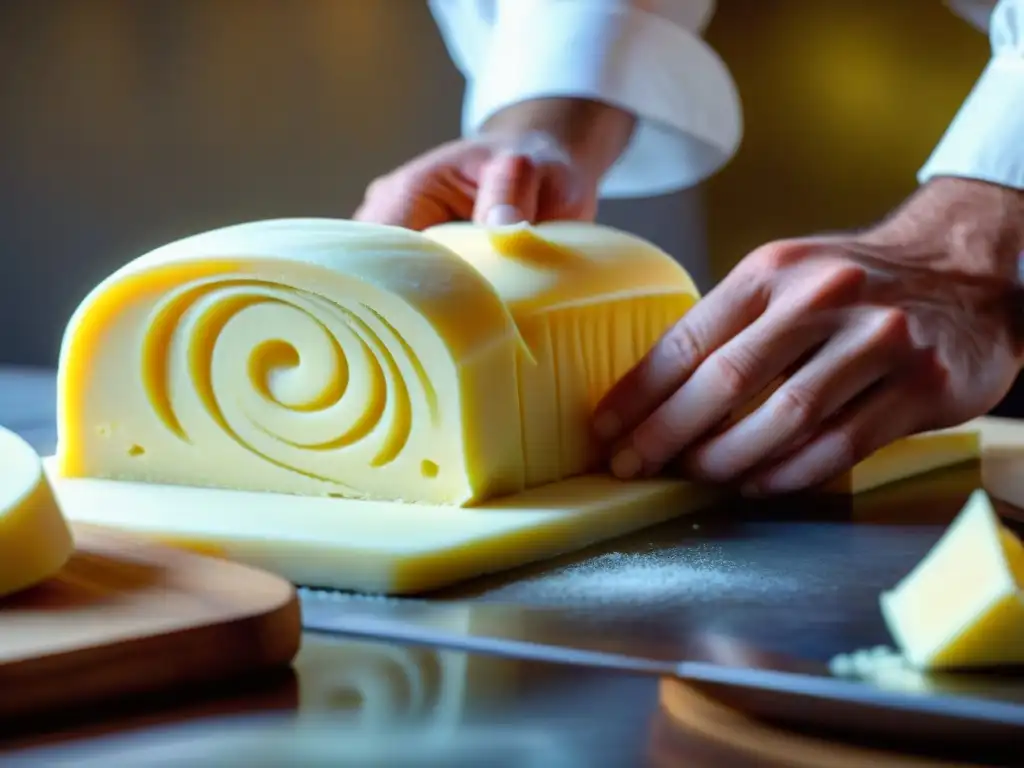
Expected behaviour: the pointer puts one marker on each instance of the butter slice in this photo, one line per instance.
(382, 547)
(314, 357)
(35, 541)
(908, 457)
(589, 301)
(962, 605)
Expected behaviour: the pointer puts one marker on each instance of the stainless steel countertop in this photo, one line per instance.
(799, 577)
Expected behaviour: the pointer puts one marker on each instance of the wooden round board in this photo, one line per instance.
(127, 616)
(730, 737)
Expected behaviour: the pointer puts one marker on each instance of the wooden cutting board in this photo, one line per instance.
(127, 617)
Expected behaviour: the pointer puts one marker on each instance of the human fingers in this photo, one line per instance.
(802, 312)
(433, 188)
(507, 190)
(416, 201)
(566, 190)
(889, 411)
(872, 343)
(728, 378)
(726, 310)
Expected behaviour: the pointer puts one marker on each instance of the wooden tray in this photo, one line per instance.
(128, 617)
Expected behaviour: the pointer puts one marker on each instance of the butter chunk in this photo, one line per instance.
(35, 541)
(305, 356)
(908, 457)
(589, 301)
(382, 547)
(962, 605)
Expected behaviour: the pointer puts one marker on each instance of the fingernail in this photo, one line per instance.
(627, 464)
(503, 215)
(607, 425)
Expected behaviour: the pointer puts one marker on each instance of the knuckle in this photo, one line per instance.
(682, 344)
(800, 406)
(845, 275)
(777, 255)
(732, 375)
(515, 167)
(657, 441)
(835, 284)
(894, 326)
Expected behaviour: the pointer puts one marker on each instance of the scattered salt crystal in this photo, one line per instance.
(641, 580)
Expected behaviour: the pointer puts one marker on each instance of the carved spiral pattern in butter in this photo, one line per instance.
(285, 373)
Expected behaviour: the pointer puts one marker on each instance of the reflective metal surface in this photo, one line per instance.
(361, 703)
(750, 600)
(364, 703)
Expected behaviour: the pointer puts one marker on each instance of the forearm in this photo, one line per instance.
(592, 133)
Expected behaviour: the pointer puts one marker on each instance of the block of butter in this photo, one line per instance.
(963, 604)
(35, 541)
(364, 407)
(337, 358)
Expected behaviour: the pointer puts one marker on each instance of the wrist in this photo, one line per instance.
(957, 224)
(593, 134)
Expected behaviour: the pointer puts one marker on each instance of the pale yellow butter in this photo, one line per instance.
(909, 457)
(324, 357)
(380, 546)
(314, 357)
(589, 301)
(35, 541)
(962, 605)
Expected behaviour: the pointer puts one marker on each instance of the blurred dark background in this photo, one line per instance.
(127, 124)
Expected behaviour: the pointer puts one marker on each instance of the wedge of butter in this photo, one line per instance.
(35, 541)
(962, 605)
(326, 357)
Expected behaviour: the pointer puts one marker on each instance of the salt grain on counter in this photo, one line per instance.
(625, 580)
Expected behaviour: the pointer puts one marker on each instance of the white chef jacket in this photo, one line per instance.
(648, 57)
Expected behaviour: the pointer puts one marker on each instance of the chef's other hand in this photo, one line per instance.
(908, 326)
(540, 160)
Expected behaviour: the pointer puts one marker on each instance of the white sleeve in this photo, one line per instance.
(986, 138)
(645, 56)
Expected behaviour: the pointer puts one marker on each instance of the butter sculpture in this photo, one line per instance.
(963, 604)
(35, 541)
(321, 357)
(364, 407)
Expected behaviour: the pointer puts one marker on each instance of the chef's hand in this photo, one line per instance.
(906, 327)
(540, 160)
